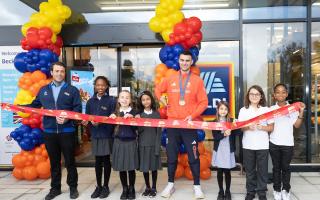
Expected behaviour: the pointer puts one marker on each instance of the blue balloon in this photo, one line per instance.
(164, 138)
(178, 49)
(175, 66)
(201, 135)
(182, 149)
(24, 128)
(169, 63)
(18, 139)
(19, 62)
(14, 135)
(26, 144)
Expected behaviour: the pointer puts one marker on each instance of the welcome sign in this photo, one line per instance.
(218, 80)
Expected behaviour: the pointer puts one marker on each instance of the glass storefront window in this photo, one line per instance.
(273, 53)
(315, 94)
(316, 8)
(265, 9)
(138, 64)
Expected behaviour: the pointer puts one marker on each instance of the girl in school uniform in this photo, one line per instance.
(224, 148)
(282, 142)
(255, 143)
(101, 134)
(149, 140)
(125, 149)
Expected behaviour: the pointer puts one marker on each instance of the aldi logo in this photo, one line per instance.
(219, 83)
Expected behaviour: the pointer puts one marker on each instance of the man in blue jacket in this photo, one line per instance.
(59, 132)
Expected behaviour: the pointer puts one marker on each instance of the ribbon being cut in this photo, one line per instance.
(157, 122)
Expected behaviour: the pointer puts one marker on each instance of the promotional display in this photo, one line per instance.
(83, 80)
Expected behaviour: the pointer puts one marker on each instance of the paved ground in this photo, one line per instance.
(305, 186)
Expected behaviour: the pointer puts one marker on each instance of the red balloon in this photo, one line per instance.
(45, 32)
(195, 23)
(32, 31)
(180, 28)
(163, 112)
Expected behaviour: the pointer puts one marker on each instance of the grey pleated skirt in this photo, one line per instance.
(148, 161)
(101, 146)
(125, 155)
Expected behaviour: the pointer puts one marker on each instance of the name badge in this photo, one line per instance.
(66, 93)
(104, 108)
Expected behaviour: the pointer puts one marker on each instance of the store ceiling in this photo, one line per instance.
(94, 6)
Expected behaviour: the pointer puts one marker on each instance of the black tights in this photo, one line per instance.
(227, 175)
(154, 179)
(103, 161)
(124, 180)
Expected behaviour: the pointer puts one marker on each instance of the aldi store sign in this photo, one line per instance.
(219, 83)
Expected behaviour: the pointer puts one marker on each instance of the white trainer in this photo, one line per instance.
(285, 195)
(276, 195)
(168, 190)
(198, 194)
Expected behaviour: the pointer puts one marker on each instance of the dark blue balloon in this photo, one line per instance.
(18, 139)
(201, 135)
(34, 142)
(164, 138)
(19, 62)
(25, 128)
(26, 144)
(177, 49)
(169, 63)
(175, 66)
(163, 55)
(170, 56)
(182, 149)
(14, 135)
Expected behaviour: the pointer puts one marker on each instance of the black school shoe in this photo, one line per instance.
(146, 192)
(74, 193)
(124, 194)
(52, 194)
(96, 192)
(104, 192)
(220, 196)
(131, 193)
(153, 193)
(227, 195)
(250, 196)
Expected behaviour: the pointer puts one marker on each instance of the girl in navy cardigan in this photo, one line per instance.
(101, 134)
(224, 148)
(125, 148)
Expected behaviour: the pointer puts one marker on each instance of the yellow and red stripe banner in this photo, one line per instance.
(167, 123)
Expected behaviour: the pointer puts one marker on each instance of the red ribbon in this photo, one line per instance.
(167, 123)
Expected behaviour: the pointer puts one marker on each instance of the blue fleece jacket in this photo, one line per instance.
(68, 99)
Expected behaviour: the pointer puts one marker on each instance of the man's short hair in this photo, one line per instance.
(59, 64)
(187, 53)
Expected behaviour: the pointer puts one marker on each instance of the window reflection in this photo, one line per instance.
(275, 53)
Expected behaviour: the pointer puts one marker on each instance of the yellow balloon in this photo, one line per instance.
(160, 12)
(53, 38)
(43, 6)
(178, 4)
(154, 24)
(25, 27)
(56, 28)
(55, 2)
(176, 17)
(67, 12)
(165, 34)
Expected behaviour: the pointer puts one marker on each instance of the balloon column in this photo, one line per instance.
(43, 47)
(183, 168)
(179, 34)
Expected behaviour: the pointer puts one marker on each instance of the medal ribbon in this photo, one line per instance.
(182, 86)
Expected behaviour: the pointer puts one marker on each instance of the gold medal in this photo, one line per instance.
(182, 102)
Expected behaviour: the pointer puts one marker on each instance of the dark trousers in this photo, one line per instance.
(56, 144)
(189, 138)
(281, 157)
(256, 165)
